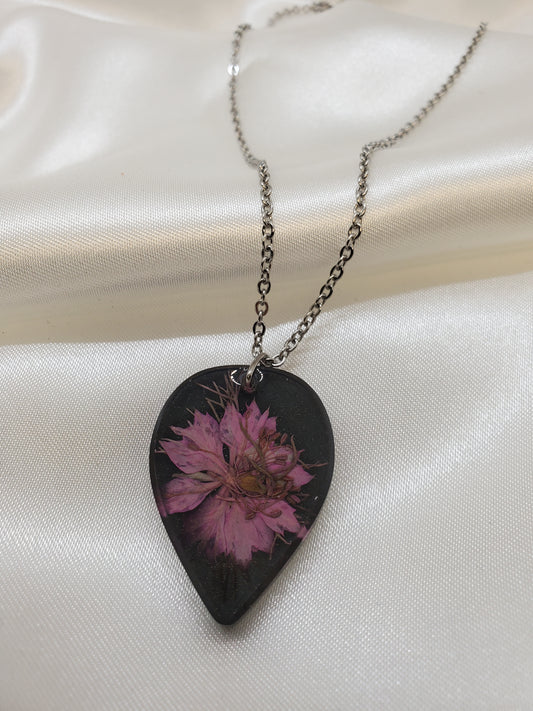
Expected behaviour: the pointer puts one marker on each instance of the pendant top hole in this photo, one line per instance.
(238, 377)
(248, 382)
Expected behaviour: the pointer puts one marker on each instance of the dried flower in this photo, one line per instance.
(239, 482)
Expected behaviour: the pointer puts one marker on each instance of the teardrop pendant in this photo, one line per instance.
(239, 478)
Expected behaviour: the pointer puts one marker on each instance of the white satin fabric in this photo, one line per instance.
(129, 255)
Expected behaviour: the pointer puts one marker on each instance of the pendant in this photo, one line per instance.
(239, 477)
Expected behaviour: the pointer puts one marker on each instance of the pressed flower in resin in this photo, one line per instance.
(239, 479)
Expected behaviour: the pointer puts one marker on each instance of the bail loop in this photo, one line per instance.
(247, 383)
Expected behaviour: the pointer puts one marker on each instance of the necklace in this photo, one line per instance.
(241, 457)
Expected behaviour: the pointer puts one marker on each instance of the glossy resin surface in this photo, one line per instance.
(239, 478)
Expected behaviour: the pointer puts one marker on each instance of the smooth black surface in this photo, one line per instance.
(226, 587)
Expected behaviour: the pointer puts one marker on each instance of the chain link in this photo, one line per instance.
(355, 228)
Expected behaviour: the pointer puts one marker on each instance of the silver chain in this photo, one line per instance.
(354, 230)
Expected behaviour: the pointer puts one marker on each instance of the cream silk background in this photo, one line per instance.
(128, 260)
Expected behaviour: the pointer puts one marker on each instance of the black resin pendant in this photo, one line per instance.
(239, 478)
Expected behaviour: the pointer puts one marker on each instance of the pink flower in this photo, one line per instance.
(239, 481)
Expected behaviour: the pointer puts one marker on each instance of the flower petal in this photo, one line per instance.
(231, 433)
(207, 524)
(200, 449)
(280, 517)
(184, 494)
(203, 431)
(257, 422)
(302, 533)
(279, 458)
(224, 529)
(244, 536)
(300, 477)
(241, 432)
(191, 460)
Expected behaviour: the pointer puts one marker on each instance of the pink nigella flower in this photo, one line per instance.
(239, 481)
